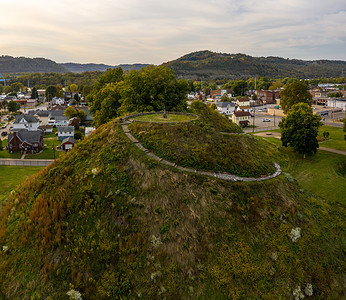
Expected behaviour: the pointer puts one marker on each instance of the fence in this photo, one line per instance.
(25, 162)
(257, 129)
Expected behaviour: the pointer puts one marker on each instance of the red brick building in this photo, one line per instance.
(268, 97)
(25, 141)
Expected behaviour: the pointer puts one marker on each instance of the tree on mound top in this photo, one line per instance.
(150, 89)
(293, 93)
(300, 129)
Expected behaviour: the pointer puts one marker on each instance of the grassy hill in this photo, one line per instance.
(110, 222)
(211, 65)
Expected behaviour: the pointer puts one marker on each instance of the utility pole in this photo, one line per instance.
(53, 150)
(254, 116)
(274, 117)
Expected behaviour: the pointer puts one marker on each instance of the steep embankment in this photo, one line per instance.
(110, 222)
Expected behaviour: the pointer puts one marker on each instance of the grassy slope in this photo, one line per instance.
(111, 223)
(12, 176)
(192, 145)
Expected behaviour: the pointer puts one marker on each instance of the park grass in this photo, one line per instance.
(322, 173)
(336, 138)
(12, 176)
(171, 117)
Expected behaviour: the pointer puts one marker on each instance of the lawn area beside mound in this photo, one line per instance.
(111, 223)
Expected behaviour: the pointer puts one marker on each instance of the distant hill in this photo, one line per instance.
(11, 65)
(79, 68)
(212, 65)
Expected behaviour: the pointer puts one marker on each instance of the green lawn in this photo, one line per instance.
(12, 176)
(160, 118)
(320, 173)
(336, 138)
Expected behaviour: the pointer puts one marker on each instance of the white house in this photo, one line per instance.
(57, 118)
(225, 108)
(58, 101)
(65, 132)
(27, 122)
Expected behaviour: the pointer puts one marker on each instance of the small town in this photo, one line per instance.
(172, 150)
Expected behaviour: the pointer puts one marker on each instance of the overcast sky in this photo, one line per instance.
(155, 31)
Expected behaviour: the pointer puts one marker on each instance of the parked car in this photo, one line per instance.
(266, 120)
(3, 126)
(4, 133)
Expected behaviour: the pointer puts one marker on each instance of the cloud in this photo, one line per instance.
(154, 31)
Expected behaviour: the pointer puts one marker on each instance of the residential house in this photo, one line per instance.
(243, 104)
(241, 118)
(28, 122)
(225, 108)
(68, 143)
(57, 118)
(58, 101)
(65, 132)
(25, 141)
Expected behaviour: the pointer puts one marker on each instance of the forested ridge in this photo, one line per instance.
(212, 65)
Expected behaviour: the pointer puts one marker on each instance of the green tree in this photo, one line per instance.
(16, 87)
(293, 93)
(239, 87)
(59, 92)
(73, 88)
(104, 97)
(213, 106)
(13, 106)
(224, 97)
(152, 89)
(34, 93)
(299, 129)
(71, 112)
(4, 104)
(86, 90)
(50, 92)
(1, 148)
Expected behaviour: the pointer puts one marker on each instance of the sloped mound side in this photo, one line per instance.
(111, 223)
(212, 120)
(192, 145)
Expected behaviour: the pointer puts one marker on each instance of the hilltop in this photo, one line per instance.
(11, 65)
(110, 222)
(212, 65)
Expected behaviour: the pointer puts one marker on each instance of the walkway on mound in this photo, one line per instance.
(224, 176)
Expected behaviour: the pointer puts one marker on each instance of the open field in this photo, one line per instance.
(12, 176)
(322, 173)
(160, 118)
